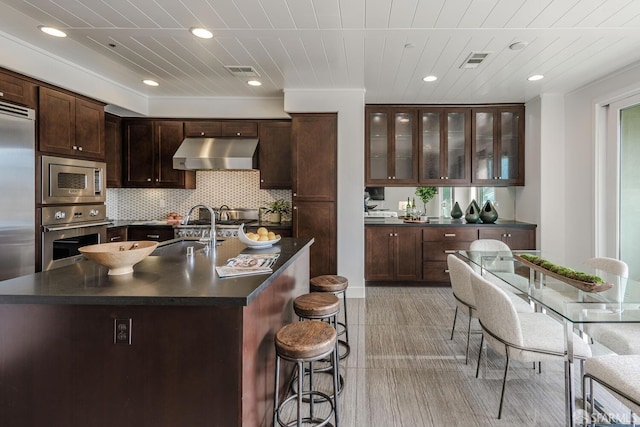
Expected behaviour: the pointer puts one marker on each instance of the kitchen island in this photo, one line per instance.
(201, 348)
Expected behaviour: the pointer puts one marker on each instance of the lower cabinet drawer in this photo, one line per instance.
(438, 234)
(435, 271)
(158, 234)
(438, 251)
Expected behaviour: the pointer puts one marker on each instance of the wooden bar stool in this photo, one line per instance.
(306, 342)
(319, 306)
(336, 285)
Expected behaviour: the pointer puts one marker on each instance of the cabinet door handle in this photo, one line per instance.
(446, 271)
(449, 251)
(449, 234)
(153, 236)
(114, 238)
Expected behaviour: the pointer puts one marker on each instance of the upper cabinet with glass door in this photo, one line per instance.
(445, 148)
(391, 149)
(498, 146)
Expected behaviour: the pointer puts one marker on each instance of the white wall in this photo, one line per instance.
(218, 107)
(583, 169)
(527, 203)
(349, 104)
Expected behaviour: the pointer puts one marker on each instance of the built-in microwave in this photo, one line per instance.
(72, 181)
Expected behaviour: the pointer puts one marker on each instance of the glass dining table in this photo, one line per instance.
(576, 303)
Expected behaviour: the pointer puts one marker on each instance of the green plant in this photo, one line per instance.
(562, 271)
(425, 194)
(280, 206)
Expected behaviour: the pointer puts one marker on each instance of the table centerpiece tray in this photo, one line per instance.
(582, 285)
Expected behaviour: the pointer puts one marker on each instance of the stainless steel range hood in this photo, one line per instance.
(216, 154)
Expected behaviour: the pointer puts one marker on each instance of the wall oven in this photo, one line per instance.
(65, 229)
(72, 181)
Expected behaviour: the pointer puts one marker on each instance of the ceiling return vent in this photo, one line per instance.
(242, 71)
(474, 59)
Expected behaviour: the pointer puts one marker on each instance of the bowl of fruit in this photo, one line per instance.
(262, 238)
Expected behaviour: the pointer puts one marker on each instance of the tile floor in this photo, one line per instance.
(404, 371)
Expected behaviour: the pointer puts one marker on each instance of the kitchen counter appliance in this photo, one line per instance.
(17, 191)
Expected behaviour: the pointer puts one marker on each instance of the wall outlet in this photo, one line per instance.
(122, 331)
(162, 203)
(402, 206)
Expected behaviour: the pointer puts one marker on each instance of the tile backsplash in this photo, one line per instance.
(237, 189)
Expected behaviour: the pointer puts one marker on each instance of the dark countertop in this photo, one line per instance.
(141, 223)
(157, 280)
(440, 222)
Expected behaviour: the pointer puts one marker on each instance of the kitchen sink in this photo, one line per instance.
(178, 247)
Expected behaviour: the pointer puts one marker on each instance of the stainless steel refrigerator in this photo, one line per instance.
(17, 191)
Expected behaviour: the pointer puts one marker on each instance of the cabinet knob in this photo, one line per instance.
(395, 234)
(75, 147)
(390, 234)
(388, 177)
(157, 179)
(442, 177)
(148, 179)
(295, 194)
(262, 180)
(79, 148)
(202, 133)
(295, 208)
(1, 93)
(238, 134)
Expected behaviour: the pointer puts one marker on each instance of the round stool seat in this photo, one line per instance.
(305, 340)
(329, 283)
(316, 305)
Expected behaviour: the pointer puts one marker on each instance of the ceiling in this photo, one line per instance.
(383, 46)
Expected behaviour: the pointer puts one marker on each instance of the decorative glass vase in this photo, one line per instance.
(456, 212)
(472, 214)
(488, 214)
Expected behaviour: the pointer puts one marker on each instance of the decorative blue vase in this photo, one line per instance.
(472, 215)
(456, 212)
(488, 214)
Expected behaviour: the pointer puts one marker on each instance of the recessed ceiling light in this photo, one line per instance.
(254, 83)
(150, 82)
(518, 45)
(52, 31)
(203, 33)
(430, 78)
(535, 77)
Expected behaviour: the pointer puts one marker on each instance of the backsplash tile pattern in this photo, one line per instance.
(237, 189)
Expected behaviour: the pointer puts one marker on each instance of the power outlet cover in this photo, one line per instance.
(122, 331)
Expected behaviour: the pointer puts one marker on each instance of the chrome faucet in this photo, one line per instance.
(211, 241)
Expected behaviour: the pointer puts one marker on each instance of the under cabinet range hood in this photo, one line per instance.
(216, 154)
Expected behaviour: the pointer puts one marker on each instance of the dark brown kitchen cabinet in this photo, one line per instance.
(438, 243)
(498, 145)
(17, 91)
(149, 146)
(314, 139)
(69, 125)
(391, 149)
(221, 128)
(516, 238)
(393, 253)
(116, 234)
(113, 149)
(275, 155)
(149, 232)
(445, 146)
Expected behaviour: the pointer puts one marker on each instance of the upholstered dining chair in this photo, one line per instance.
(526, 337)
(622, 338)
(618, 374)
(459, 275)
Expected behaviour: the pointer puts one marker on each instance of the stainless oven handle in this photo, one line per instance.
(71, 227)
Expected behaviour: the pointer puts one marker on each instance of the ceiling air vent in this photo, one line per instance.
(474, 59)
(242, 71)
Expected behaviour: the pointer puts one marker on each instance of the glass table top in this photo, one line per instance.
(618, 303)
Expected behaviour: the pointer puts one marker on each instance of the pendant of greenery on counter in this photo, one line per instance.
(426, 194)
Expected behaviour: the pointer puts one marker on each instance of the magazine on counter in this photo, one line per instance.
(246, 264)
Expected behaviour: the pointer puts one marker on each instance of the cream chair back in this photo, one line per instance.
(612, 266)
(496, 312)
(492, 245)
(459, 275)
